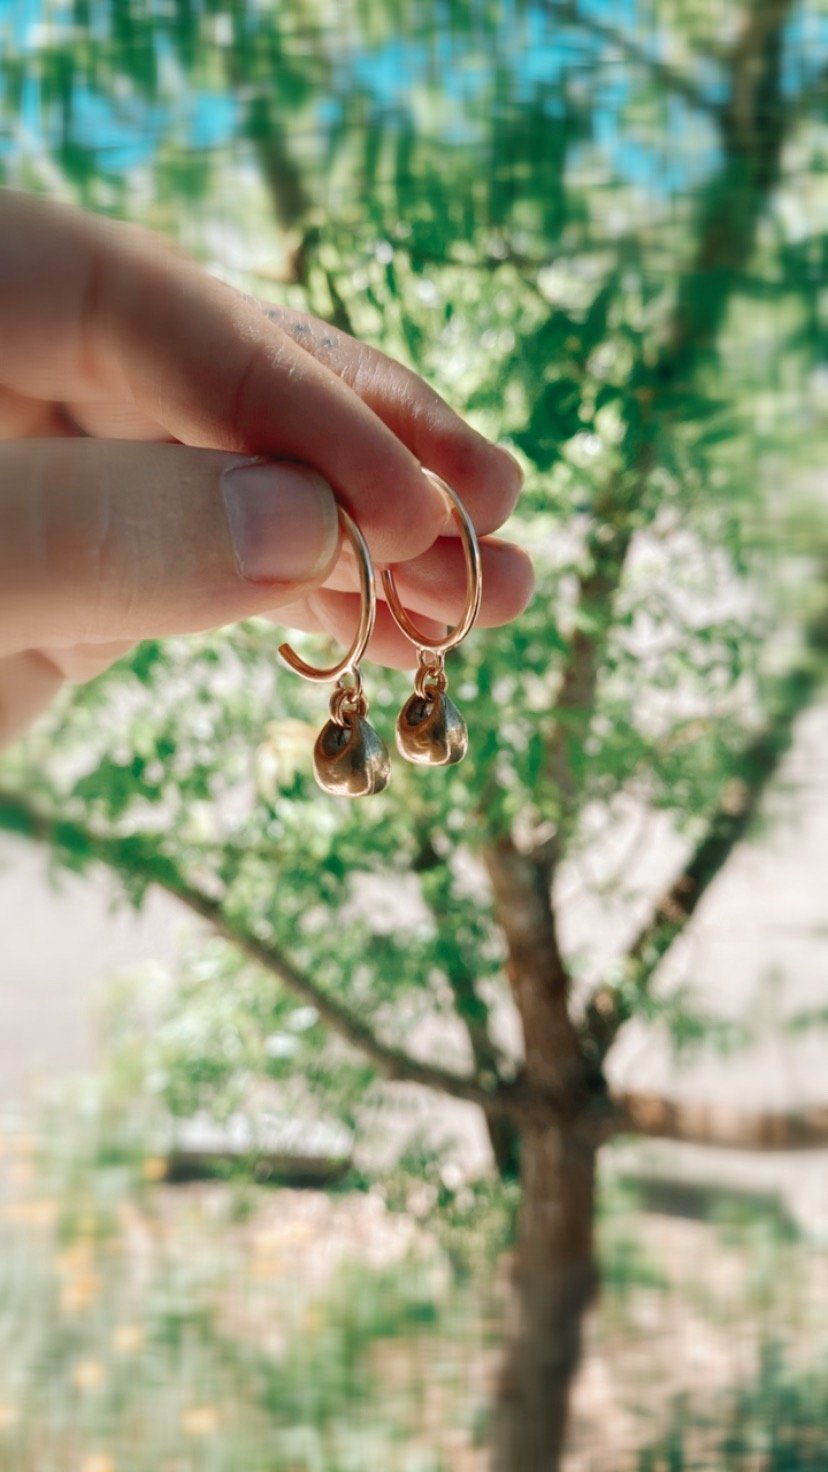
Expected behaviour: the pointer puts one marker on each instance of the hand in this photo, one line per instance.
(170, 452)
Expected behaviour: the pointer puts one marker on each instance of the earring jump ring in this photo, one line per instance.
(474, 581)
(367, 613)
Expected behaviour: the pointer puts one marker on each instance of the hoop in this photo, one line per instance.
(367, 614)
(474, 581)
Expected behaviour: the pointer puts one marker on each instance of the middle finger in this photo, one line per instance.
(435, 583)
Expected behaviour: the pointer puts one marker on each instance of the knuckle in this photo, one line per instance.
(365, 368)
(261, 360)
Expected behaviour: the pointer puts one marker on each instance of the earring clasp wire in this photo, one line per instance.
(367, 613)
(474, 581)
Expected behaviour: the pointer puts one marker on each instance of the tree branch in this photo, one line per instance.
(714, 1124)
(134, 857)
(753, 127)
(393, 1063)
(471, 1007)
(608, 544)
(537, 973)
(611, 1006)
(662, 72)
(753, 131)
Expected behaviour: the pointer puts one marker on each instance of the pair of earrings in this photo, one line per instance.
(349, 757)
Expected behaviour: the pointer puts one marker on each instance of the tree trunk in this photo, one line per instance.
(554, 1280)
(554, 1274)
(505, 1143)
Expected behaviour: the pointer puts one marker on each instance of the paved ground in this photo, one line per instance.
(758, 948)
(60, 938)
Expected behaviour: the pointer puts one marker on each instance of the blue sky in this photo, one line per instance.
(540, 54)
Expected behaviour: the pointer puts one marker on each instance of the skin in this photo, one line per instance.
(129, 380)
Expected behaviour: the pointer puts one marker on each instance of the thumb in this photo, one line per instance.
(104, 540)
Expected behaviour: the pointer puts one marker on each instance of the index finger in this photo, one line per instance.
(90, 309)
(485, 476)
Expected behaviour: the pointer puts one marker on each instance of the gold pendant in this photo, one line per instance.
(431, 731)
(349, 758)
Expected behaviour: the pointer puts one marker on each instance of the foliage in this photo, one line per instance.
(541, 315)
(122, 1343)
(603, 244)
(779, 1418)
(122, 1348)
(627, 1266)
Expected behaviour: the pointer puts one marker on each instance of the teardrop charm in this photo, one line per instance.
(431, 731)
(349, 758)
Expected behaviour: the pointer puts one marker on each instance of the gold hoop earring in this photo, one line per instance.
(430, 729)
(349, 757)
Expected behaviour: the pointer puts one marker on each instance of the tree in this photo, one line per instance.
(624, 350)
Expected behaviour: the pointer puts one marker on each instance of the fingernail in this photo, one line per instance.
(283, 521)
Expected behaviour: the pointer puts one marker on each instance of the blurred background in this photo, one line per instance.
(282, 1183)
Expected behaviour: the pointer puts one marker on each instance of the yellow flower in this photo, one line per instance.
(265, 1269)
(21, 1144)
(38, 1213)
(80, 1284)
(74, 1259)
(298, 1232)
(154, 1168)
(98, 1462)
(283, 753)
(312, 1321)
(88, 1374)
(21, 1173)
(127, 1338)
(79, 1292)
(200, 1421)
(8, 1416)
(271, 1241)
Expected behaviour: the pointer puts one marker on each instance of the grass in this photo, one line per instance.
(627, 1265)
(776, 1423)
(143, 1328)
(152, 1328)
